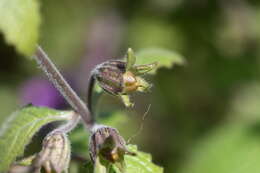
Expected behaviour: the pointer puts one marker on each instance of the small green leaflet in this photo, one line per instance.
(165, 58)
(17, 131)
(19, 23)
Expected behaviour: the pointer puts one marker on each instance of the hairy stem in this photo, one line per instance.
(64, 88)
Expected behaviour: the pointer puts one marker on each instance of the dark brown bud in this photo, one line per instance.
(55, 153)
(109, 76)
(106, 143)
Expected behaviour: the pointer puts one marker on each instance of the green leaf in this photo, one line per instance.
(141, 163)
(229, 149)
(19, 22)
(17, 131)
(165, 58)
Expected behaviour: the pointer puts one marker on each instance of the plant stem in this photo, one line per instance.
(70, 125)
(62, 85)
(90, 92)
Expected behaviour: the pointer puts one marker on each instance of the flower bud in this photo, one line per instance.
(122, 78)
(109, 76)
(55, 153)
(106, 143)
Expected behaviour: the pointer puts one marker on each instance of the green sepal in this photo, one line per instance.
(143, 85)
(126, 100)
(130, 59)
(142, 69)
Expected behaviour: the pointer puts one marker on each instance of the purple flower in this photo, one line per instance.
(40, 92)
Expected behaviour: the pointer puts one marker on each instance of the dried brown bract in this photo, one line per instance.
(55, 153)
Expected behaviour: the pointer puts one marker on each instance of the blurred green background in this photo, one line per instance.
(204, 116)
